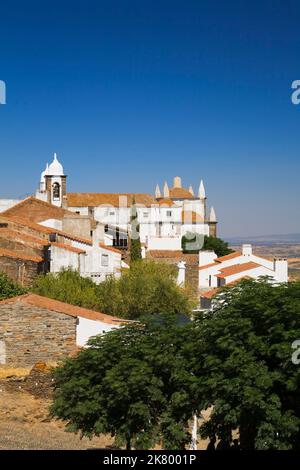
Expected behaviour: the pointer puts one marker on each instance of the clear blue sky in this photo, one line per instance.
(130, 93)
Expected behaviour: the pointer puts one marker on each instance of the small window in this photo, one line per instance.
(52, 237)
(146, 214)
(56, 191)
(111, 213)
(105, 228)
(169, 213)
(104, 260)
(77, 212)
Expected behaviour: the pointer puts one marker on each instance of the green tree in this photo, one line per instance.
(146, 288)
(135, 242)
(241, 353)
(219, 246)
(9, 288)
(68, 286)
(132, 383)
(194, 242)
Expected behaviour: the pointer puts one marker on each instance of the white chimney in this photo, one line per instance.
(206, 257)
(177, 182)
(181, 273)
(281, 269)
(247, 250)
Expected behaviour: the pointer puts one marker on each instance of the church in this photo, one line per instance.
(162, 218)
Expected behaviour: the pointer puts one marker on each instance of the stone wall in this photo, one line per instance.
(31, 334)
(21, 271)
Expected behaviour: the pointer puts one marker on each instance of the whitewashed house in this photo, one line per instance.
(216, 272)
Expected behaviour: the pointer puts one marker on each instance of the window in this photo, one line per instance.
(56, 191)
(104, 260)
(52, 237)
(105, 228)
(145, 214)
(169, 213)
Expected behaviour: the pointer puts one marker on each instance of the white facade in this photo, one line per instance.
(87, 328)
(216, 272)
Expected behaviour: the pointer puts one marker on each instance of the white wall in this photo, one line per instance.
(159, 243)
(85, 329)
(52, 223)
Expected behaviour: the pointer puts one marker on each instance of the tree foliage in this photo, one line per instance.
(146, 288)
(219, 246)
(131, 383)
(68, 286)
(9, 288)
(143, 382)
(194, 242)
(242, 356)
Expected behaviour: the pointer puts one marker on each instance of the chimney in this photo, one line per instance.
(98, 235)
(181, 273)
(281, 269)
(206, 257)
(177, 182)
(247, 250)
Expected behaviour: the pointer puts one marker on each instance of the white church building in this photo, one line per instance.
(162, 218)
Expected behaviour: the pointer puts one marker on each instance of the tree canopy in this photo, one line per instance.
(242, 354)
(132, 383)
(9, 288)
(194, 242)
(143, 382)
(146, 288)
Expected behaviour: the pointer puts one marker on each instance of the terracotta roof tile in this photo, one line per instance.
(208, 266)
(68, 247)
(36, 210)
(62, 307)
(180, 193)
(107, 199)
(22, 256)
(110, 248)
(165, 201)
(43, 229)
(237, 268)
(233, 255)
(23, 236)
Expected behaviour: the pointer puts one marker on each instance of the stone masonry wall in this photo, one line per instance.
(31, 334)
(22, 271)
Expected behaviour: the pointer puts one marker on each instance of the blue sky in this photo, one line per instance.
(131, 93)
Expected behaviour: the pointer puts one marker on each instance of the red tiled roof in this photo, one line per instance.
(43, 229)
(233, 255)
(23, 236)
(165, 201)
(36, 210)
(180, 193)
(110, 248)
(14, 254)
(207, 266)
(237, 268)
(67, 247)
(62, 307)
(107, 199)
